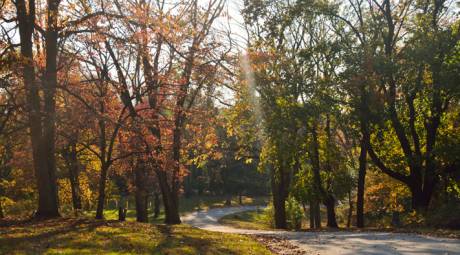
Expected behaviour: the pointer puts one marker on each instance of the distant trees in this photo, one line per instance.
(128, 68)
(341, 82)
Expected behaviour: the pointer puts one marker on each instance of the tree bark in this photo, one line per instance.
(2, 215)
(101, 198)
(317, 185)
(279, 197)
(141, 192)
(169, 202)
(350, 210)
(121, 208)
(330, 206)
(361, 180)
(41, 133)
(317, 214)
(71, 158)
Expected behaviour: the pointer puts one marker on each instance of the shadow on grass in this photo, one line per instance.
(190, 242)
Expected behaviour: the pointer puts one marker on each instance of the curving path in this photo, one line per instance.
(339, 242)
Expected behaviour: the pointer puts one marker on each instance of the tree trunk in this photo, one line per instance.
(315, 216)
(420, 200)
(42, 142)
(228, 200)
(170, 206)
(330, 206)
(71, 158)
(395, 221)
(279, 198)
(279, 204)
(50, 207)
(141, 192)
(156, 205)
(101, 198)
(350, 210)
(361, 180)
(121, 208)
(172, 213)
(317, 185)
(2, 215)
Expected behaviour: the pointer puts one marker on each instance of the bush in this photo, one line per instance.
(445, 216)
(269, 215)
(294, 213)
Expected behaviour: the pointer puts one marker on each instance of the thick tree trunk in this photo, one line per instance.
(101, 198)
(42, 145)
(156, 205)
(279, 204)
(172, 212)
(169, 202)
(330, 207)
(420, 200)
(279, 198)
(141, 192)
(49, 208)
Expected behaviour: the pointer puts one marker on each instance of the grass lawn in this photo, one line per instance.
(87, 236)
(186, 205)
(247, 220)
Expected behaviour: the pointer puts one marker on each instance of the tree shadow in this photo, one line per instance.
(178, 243)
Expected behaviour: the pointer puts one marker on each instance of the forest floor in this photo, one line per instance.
(329, 241)
(87, 236)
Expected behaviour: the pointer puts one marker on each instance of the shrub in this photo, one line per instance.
(269, 215)
(294, 213)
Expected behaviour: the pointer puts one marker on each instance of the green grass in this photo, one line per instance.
(186, 205)
(84, 236)
(247, 220)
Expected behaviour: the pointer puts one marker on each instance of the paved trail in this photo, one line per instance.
(340, 242)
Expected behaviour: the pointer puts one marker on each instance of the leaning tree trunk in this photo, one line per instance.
(141, 192)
